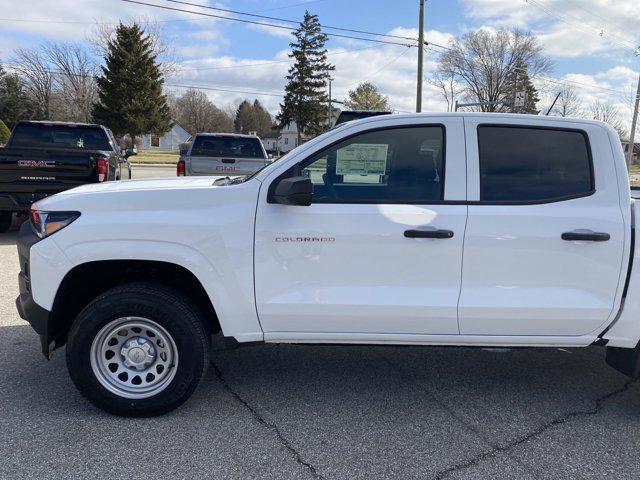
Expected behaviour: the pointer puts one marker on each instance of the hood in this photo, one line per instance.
(171, 193)
(143, 184)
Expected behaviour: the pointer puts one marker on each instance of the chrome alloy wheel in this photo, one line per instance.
(134, 357)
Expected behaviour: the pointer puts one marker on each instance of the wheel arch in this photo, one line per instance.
(86, 281)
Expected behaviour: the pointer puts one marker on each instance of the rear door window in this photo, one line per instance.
(80, 137)
(529, 164)
(226, 146)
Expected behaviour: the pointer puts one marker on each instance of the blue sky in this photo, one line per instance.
(590, 41)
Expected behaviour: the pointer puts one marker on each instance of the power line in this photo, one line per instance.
(223, 89)
(559, 17)
(606, 21)
(295, 22)
(228, 67)
(265, 24)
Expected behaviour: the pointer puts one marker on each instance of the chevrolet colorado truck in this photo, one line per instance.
(44, 158)
(426, 229)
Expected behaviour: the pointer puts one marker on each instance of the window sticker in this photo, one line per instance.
(362, 159)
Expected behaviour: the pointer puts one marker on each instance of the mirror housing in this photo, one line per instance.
(292, 191)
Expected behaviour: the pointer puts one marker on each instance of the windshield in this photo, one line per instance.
(81, 137)
(226, 146)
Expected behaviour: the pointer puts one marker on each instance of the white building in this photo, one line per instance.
(169, 142)
(281, 141)
(288, 139)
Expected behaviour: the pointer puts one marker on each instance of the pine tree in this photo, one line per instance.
(367, 97)
(130, 87)
(305, 94)
(4, 133)
(252, 118)
(15, 104)
(518, 80)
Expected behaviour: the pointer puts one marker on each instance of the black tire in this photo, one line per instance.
(167, 308)
(5, 221)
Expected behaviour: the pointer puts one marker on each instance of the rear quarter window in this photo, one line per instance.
(226, 146)
(533, 164)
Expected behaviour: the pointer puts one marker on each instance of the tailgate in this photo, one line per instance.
(199, 165)
(50, 170)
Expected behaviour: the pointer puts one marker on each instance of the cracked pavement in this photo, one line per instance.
(322, 412)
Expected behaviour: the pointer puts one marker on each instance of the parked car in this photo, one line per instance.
(355, 237)
(43, 158)
(222, 154)
(349, 115)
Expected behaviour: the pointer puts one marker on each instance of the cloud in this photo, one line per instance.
(273, 31)
(566, 29)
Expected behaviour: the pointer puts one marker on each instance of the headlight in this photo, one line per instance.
(47, 223)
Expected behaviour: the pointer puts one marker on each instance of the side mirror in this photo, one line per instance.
(292, 191)
(130, 152)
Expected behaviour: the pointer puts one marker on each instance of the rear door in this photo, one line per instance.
(226, 155)
(545, 235)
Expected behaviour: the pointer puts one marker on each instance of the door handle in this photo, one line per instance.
(433, 233)
(586, 236)
(228, 160)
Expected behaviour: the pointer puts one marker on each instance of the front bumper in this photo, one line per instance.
(38, 317)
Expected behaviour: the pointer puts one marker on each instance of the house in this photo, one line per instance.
(288, 139)
(281, 141)
(270, 141)
(169, 142)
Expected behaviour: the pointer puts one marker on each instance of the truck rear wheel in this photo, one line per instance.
(5, 221)
(138, 350)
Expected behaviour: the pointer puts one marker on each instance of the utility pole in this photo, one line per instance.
(420, 57)
(634, 123)
(329, 112)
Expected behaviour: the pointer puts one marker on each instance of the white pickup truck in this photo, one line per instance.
(425, 229)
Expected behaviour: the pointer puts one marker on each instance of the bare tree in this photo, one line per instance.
(447, 87)
(484, 64)
(568, 104)
(74, 79)
(608, 113)
(196, 113)
(32, 66)
(165, 51)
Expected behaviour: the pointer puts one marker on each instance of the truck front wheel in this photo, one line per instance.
(138, 350)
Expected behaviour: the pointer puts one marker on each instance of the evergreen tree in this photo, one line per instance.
(15, 104)
(305, 100)
(518, 80)
(4, 133)
(367, 97)
(252, 118)
(130, 87)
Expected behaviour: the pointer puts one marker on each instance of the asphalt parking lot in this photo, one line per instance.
(323, 412)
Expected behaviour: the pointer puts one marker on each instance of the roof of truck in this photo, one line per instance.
(212, 134)
(60, 123)
(485, 115)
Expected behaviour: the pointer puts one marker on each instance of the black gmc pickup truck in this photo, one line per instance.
(44, 158)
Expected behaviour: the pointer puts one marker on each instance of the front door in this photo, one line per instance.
(379, 251)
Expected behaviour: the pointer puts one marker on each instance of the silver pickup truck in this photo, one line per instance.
(222, 154)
